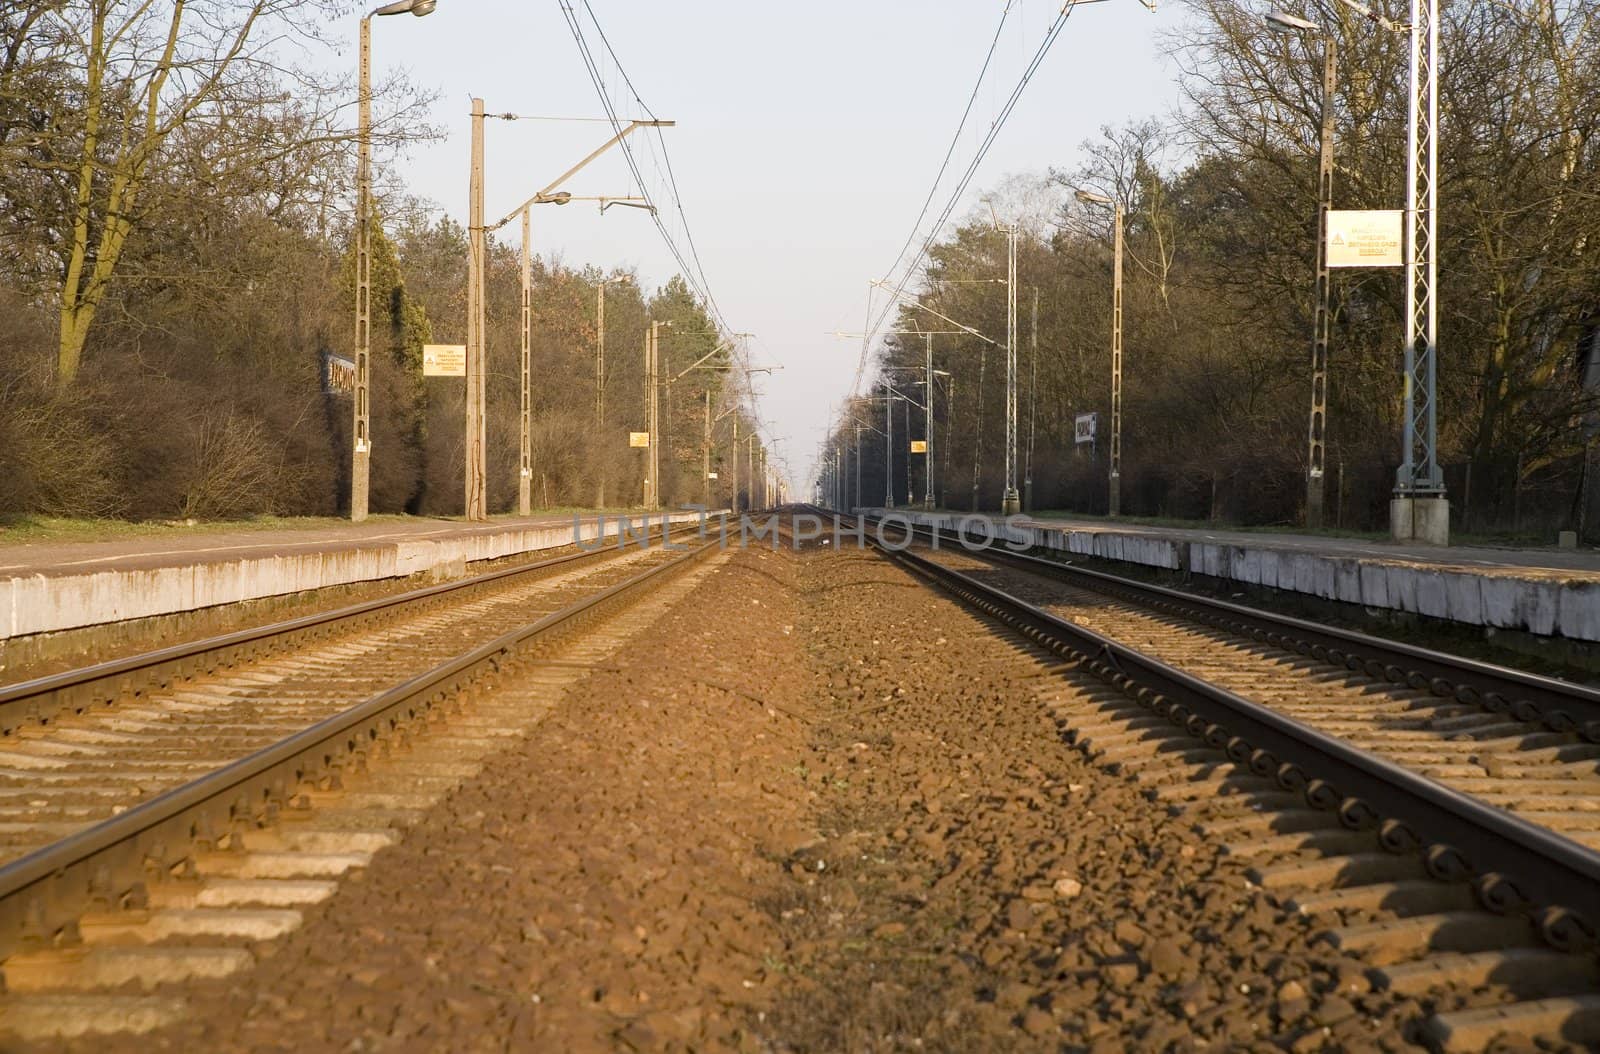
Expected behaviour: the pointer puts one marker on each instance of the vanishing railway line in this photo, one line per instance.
(160, 812)
(1435, 816)
(1439, 813)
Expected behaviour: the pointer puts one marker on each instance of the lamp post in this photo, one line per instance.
(699, 364)
(600, 385)
(858, 466)
(360, 397)
(914, 302)
(1010, 501)
(1280, 22)
(652, 359)
(476, 501)
(927, 407)
(477, 295)
(1115, 478)
(888, 437)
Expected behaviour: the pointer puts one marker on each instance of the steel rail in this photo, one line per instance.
(1557, 705)
(1515, 866)
(106, 866)
(42, 699)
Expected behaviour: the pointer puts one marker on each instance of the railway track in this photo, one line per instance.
(1439, 814)
(167, 811)
(81, 746)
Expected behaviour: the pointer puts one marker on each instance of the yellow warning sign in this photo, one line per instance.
(919, 446)
(444, 360)
(1365, 237)
(638, 438)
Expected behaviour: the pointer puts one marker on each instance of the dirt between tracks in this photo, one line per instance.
(817, 808)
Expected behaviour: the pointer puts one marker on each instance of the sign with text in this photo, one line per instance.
(638, 438)
(338, 374)
(711, 475)
(1365, 237)
(1083, 427)
(919, 446)
(444, 360)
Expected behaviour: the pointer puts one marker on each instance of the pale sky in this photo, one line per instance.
(807, 137)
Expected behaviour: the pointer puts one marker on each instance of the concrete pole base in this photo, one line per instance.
(1011, 504)
(1424, 521)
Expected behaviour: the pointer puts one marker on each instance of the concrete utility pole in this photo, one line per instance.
(600, 387)
(476, 502)
(525, 463)
(888, 439)
(949, 426)
(705, 456)
(1316, 455)
(653, 412)
(1115, 479)
(1116, 364)
(476, 292)
(927, 427)
(1420, 511)
(750, 466)
(858, 465)
(1011, 502)
(1033, 404)
(1315, 451)
(982, 366)
(361, 424)
(361, 393)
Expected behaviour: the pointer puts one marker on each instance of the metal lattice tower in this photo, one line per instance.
(1419, 474)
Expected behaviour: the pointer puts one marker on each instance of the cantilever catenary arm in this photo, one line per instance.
(544, 193)
(914, 302)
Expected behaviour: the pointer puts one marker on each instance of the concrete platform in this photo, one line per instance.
(46, 587)
(1544, 592)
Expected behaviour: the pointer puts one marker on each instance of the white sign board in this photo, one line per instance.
(1365, 238)
(1083, 427)
(711, 475)
(444, 360)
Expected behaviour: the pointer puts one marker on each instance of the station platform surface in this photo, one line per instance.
(1544, 592)
(48, 586)
(1582, 563)
(202, 545)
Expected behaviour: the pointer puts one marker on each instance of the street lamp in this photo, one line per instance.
(699, 364)
(652, 359)
(927, 407)
(1279, 22)
(476, 472)
(360, 397)
(1089, 197)
(1011, 404)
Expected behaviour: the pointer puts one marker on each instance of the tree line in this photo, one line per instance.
(1220, 204)
(177, 291)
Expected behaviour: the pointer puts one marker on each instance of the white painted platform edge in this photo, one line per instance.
(1548, 608)
(44, 604)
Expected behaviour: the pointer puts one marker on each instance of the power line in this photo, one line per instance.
(693, 274)
(955, 197)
